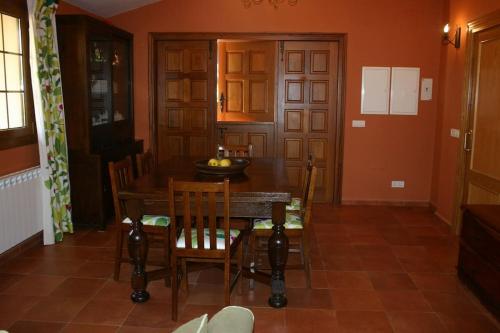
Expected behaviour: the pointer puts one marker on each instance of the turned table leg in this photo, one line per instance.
(138, 251)
(278, 254)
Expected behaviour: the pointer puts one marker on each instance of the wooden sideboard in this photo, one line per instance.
(479, 257)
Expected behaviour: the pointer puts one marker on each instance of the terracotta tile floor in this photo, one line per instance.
(375, 269)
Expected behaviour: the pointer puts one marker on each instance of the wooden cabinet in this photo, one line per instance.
(96, 68)
(479, 258)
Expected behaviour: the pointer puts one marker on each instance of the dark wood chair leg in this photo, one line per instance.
(305, 256)
(240, 268)
(175, 288)
(118, 253)
(251, 249)
(166, 255)
(185, 282)
(227, 281)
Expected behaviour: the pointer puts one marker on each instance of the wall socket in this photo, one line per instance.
(398, 184)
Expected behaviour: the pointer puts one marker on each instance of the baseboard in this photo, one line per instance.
(36, 239)
(424, 204)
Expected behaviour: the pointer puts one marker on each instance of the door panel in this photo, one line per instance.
(261, 136)
(482, 177)
(308, 83)
(246, 80)
(186, 76)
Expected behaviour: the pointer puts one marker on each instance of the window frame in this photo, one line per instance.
(16, 137)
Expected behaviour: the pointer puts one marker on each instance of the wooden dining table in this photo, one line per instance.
(262, 191)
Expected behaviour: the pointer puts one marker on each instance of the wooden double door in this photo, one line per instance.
(280, 96)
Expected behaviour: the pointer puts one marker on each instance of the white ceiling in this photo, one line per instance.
(107, 8)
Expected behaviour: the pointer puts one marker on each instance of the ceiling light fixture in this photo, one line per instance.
(274, 3)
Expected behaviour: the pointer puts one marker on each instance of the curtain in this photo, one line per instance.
(49, 114)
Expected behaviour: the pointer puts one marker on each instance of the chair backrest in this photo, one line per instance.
(306, 181)
(120, 174)
(199, 203)
(145, 163)
(238, 150)
(307, 204)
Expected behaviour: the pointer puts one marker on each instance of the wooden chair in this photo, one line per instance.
(198, 200)
(120, 173)
(296, 226)
(145, 163)
(238, 151)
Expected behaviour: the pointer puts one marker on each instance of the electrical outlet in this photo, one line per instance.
(398, 184)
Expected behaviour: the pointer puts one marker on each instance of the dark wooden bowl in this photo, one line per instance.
(238, 165)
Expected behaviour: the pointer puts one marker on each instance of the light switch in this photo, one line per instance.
(455, 133)
(426, 90)
(358, 123)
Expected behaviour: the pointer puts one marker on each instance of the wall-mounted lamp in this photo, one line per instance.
(446, 36)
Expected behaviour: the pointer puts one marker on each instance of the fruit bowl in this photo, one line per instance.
(237, 166)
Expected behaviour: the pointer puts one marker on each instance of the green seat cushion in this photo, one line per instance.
(155, 220)
(295, 204)
(233, 233)
(293, 221)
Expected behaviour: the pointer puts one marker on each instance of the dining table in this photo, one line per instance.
(261, 191)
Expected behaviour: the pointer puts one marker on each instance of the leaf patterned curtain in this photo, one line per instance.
(49, 114)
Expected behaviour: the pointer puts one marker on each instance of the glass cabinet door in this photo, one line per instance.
(100, 82)
(121, 79)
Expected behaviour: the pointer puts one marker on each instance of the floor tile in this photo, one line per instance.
(78, 287)
(35, 285)
(348, 280)
(35, 327)
(104, 312)
(309, 298)
(60, 309)
(469, 322)
(352, 299)
(268, 320)
(12, 307)
(319, 279)
(363, 321)
(59, 267)
(403, 300)
(87, 328)
(375, 269)
(156, 315)
(391, 281)
(416, 322)
(307, 320)
(7, 279)
(437, 282)
(450, 303)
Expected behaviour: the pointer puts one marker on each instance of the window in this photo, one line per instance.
(16, 104)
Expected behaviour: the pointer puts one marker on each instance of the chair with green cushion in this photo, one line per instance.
(120, 174)
(199, 201)
(296, 204)
(296, 226)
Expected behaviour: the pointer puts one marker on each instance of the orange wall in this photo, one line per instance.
(452, 74)
(15, 159)
(380, 33)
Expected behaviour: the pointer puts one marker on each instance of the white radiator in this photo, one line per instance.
(20, 207)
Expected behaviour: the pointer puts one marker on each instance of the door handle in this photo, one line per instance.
(222, 99)
(467, 146)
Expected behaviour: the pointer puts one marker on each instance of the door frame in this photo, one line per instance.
(341, 39)
(468, 99)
